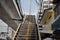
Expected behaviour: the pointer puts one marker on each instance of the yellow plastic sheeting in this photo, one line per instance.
(48, 18)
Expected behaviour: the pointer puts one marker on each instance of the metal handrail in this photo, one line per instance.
(19, 26)
(38, 33)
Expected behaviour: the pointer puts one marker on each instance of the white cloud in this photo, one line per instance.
(26, 13)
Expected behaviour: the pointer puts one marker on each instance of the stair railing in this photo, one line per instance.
(19, 26)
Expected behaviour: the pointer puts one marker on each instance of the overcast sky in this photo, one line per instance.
(25, 6)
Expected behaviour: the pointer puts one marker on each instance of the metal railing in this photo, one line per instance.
(19, 26)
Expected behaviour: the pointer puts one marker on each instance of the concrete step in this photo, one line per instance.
(21, 35)
(31, 30)
(24, 38)
(25, 33)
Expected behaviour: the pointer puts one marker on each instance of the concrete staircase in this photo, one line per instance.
(22, 33)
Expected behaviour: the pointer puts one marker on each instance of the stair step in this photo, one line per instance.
(25, 35)
(25, 39)
(26, 31)
(23, 28)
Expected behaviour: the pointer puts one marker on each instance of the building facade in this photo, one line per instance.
(45, 4)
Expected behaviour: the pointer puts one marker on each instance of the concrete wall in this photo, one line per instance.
(4, 28)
